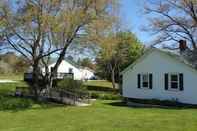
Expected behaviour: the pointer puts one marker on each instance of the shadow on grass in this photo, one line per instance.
(117, 103)
(146, 106)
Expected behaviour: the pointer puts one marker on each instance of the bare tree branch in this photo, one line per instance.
(178, 17)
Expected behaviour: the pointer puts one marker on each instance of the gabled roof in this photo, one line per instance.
(53, 60)
(86, 68)
(174, 55)
(73, 63)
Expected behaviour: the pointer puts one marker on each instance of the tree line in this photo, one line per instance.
(10, 63)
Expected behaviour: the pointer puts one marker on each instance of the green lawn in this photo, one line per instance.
(99, 83)
(15, 77)
(101, 116)
(10, 87)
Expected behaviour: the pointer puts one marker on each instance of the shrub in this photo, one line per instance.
(13, 103)
(94, 95)
(70, 84)
(104, 96)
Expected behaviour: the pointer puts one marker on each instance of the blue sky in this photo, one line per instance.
(133, 18)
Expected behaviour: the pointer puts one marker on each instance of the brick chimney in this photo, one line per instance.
(182, 45)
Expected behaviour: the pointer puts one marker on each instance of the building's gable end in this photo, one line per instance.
(165, 55)
(69, 64)
(146, 53)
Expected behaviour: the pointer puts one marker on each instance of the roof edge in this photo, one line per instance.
(156, 49)
(145, 53)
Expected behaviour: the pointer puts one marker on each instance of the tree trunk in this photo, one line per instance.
(35, 80)
(55, 68)
(50, 85)
(113, 78)
(47, 84)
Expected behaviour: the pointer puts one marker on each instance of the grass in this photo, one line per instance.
(103, 115)
(10, 87)
(99, 83)
(15, 77)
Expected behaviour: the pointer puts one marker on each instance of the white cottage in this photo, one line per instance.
(66, 68)
(162, 75)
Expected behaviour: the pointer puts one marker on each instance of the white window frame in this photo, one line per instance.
(170, 81)
(147, 74)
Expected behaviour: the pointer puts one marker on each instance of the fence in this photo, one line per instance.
(69, 96)
(28, 76)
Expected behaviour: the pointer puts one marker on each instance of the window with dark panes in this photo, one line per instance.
(70, 70)
(174, 81)
(145, 80)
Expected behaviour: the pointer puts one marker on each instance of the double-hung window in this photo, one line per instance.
(145, 80)
(174, 81)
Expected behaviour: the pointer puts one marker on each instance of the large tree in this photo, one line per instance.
(39, 28)
(117, 52)
(173, 20)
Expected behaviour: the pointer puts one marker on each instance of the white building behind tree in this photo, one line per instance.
(65, 68)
